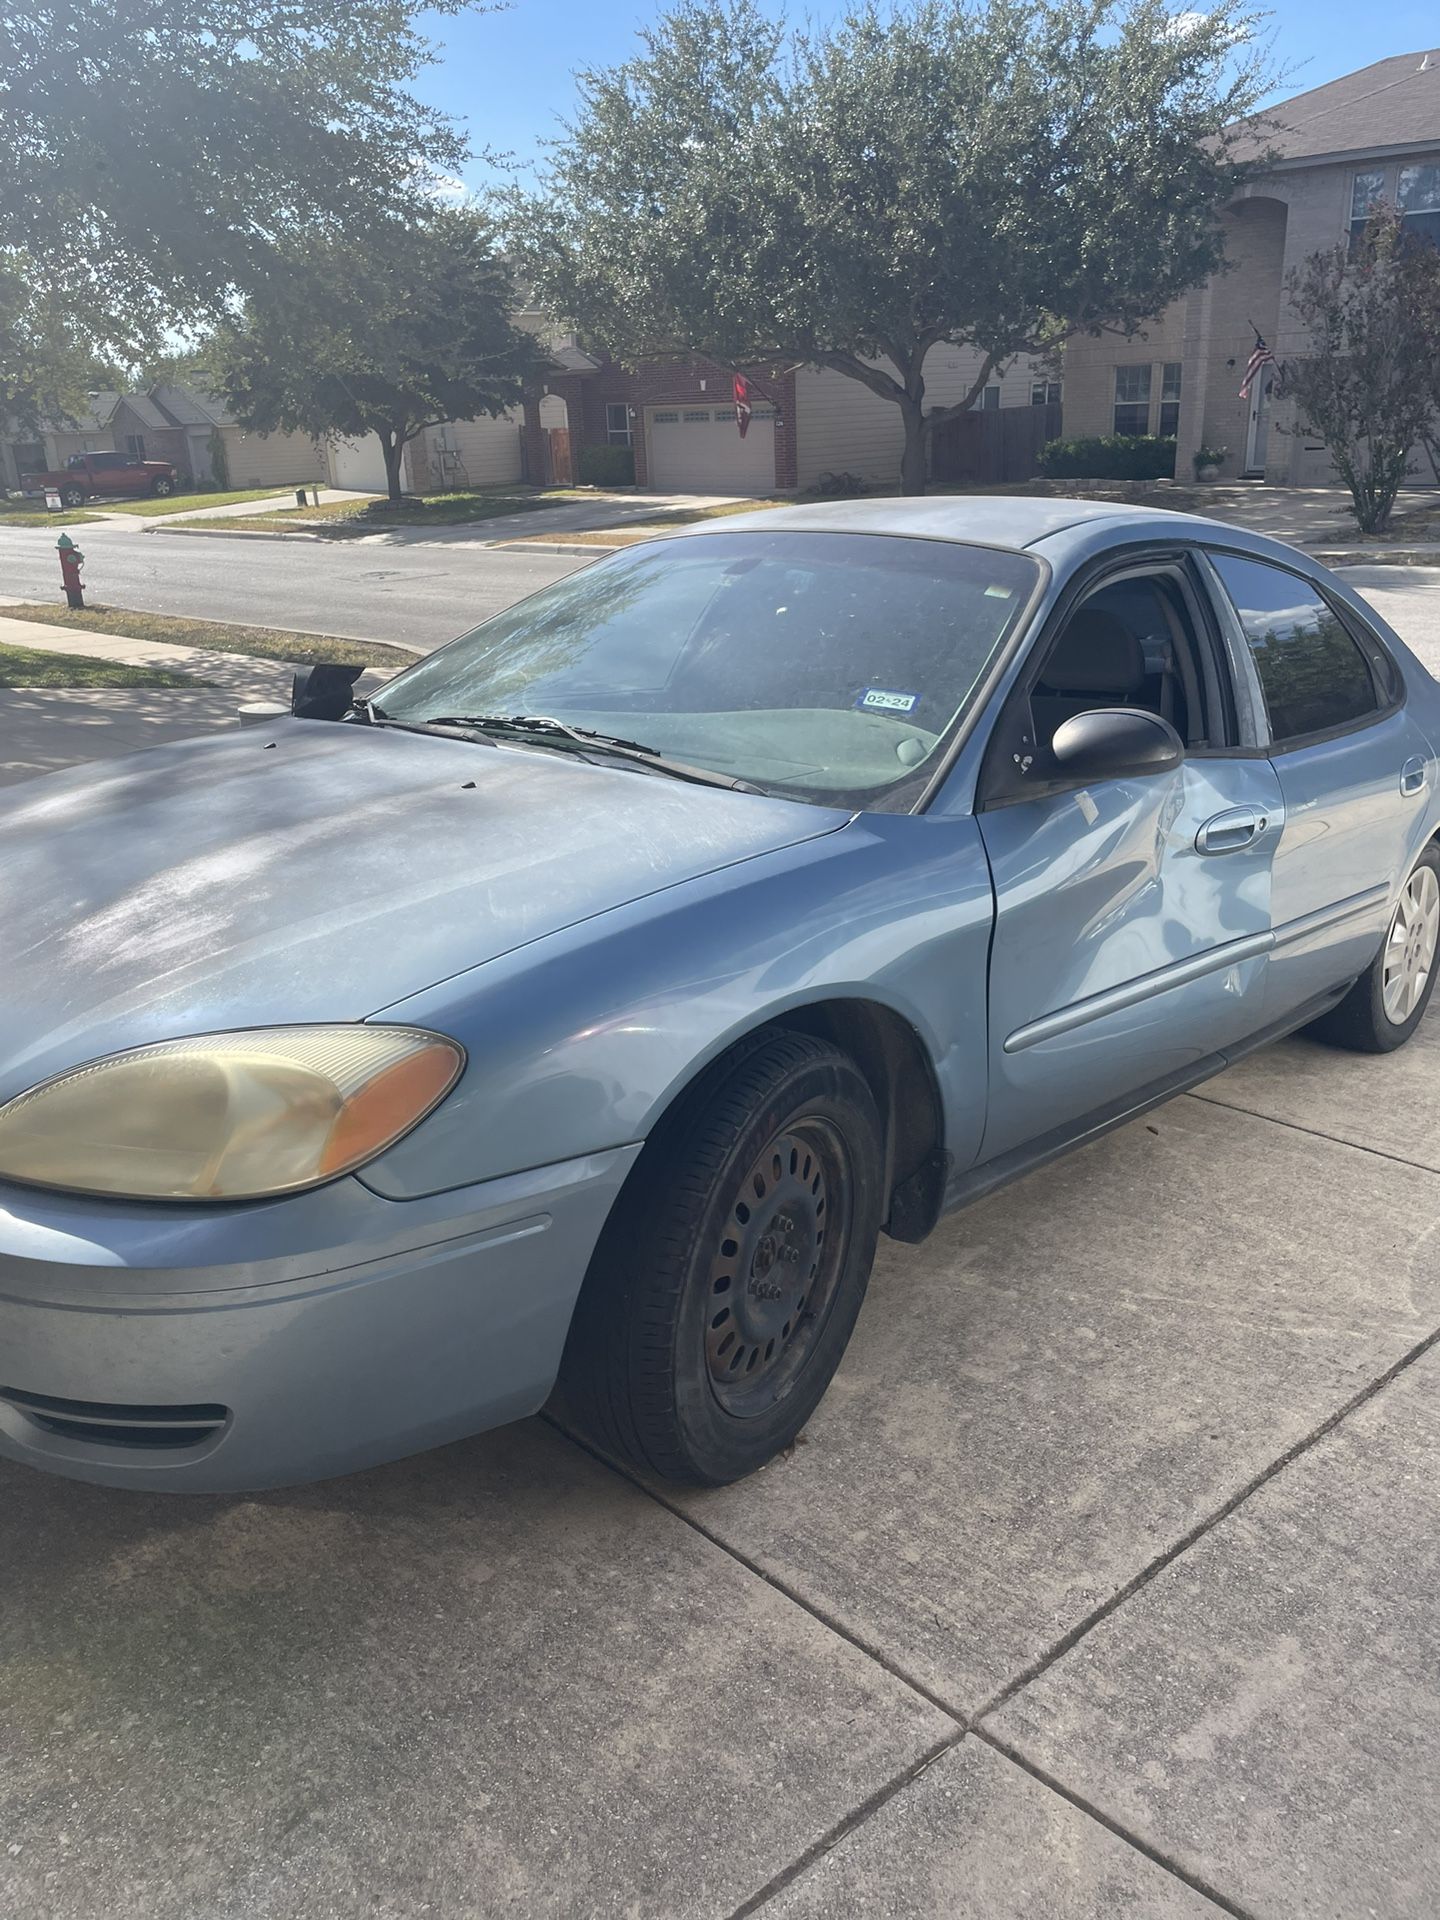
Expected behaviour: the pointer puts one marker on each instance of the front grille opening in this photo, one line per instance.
(103, 1424)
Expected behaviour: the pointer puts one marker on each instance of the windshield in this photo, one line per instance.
(828, 666)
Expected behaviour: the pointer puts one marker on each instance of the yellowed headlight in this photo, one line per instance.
(228, 1116)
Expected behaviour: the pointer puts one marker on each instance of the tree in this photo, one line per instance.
(1367, 384)
(47, 364)
(388, 333)
(156, 155)
(1000, 179)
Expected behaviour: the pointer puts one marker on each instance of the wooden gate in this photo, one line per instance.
(991, 449)
(562, 458)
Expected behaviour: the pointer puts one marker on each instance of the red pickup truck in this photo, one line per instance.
(87, 474)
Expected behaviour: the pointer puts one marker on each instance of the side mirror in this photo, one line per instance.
(324, 692)
(1113, 741)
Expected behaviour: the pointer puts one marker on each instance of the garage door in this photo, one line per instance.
(699, 450)
(358, 464)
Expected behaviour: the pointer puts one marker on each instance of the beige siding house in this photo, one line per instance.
(841, 426)
(1370, 135)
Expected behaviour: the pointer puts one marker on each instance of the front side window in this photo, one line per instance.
(617, 424)
(1419, 201)
(1132, 399)
(825, 666)
(1313, 675)
(1366, 190)
(1170, 376)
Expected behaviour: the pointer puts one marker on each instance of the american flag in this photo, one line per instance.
(1261, 357)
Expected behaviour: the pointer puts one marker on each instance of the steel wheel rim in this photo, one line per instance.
(1410, 945)
(775, 1271)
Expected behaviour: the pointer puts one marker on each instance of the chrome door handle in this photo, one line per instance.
(1229, 832)
(1412, 777)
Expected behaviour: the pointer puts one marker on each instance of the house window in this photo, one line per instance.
(988, 401)
(1132, 399)
(134, 446)
(1045, 393)
(1366, 189)
(618, 430)
(723, 413)
(1419, 201)
(666, 419)
(694, 415)
(1170, 399)
(29, 456)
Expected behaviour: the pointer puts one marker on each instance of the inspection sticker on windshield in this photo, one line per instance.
(882, 700)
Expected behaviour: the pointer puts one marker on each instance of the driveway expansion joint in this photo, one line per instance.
(1103, 1819)
(1068, 1641)
(844, 1828)
(1315, 1133)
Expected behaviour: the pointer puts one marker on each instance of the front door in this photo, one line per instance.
(1132, 916)
(1257, 429)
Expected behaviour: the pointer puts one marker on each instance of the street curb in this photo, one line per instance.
(243, 533)
(557, 546)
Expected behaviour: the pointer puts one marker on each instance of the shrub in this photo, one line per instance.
(839, 486)
(606, 466)
(1111, 456)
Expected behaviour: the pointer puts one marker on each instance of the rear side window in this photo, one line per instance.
(1313, 674)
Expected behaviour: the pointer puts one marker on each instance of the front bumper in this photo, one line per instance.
(229, 1349)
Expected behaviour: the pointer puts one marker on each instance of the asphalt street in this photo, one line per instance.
(422, 591)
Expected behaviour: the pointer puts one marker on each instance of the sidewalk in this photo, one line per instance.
(44, 729)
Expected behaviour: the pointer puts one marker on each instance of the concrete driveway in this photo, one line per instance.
(1103, 1582)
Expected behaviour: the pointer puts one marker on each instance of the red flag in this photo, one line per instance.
(741, 389)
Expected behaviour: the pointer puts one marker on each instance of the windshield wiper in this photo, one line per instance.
(559, 733)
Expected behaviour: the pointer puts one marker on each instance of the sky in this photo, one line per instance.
(507, 76)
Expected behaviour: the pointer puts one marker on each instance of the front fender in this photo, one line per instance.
(579, 1042)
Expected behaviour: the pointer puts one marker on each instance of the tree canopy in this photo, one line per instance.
(156, 156)
(1000, 178)
(388, 334)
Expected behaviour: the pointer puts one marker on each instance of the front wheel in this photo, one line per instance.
(1388, 1001)
(72, 497)
(727, 1281)
(162, 487)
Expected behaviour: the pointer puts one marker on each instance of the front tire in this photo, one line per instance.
(1388, 1001)
(162, 488)
(728, 1279)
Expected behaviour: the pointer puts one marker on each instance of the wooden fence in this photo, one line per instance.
(988, 449)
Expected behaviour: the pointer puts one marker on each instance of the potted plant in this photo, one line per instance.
(1208, 462)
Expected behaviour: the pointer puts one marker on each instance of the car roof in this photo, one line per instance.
(992, 520)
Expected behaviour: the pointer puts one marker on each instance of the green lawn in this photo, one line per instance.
(341, 519)
(188, 502)
(37, 667)
(21, 513)
(265, 643)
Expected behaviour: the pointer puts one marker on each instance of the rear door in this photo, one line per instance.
(1132, 915)
(1353, 765)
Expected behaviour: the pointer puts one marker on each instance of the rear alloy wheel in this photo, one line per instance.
(1388, 1001)
(162, 487)
(726, 1284)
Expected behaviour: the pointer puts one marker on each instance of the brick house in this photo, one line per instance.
(1372, 134)
(678, 420)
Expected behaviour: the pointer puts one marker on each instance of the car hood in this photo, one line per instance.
(310, 872)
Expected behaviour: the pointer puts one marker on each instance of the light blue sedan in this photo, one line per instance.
(585, 1009)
